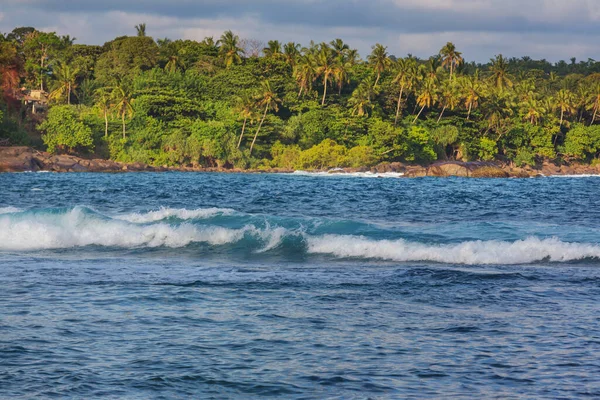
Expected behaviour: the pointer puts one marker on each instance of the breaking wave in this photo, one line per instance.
(175, 228)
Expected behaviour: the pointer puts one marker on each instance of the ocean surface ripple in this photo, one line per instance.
(175, 285)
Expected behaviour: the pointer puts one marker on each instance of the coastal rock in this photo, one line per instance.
(415, 172)
(17, 159)
(467, 169)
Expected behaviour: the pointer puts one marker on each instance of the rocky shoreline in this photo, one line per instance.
(27, 159)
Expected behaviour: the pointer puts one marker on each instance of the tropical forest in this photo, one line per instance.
(232, 102)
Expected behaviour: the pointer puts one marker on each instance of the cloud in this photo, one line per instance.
(552, 29)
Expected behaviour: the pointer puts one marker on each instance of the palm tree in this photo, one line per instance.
(406, 71)
(472, 89)
(273, 49)
(563, 101)
(141, 29)
(291, 53)
(450, 57)
(594, 102)
(326, 66)
(269, 100)
(361, 98)
(230, 49)
(104, 101)
(123, 102)
(66, 78)
(532, 109)
(499, 75)
(427, 97)
(448, 98)
(379, 60)
(173, 64)
(245, 107)
(340, 48)
(305, 73)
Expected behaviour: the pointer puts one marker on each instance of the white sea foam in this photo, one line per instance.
(9, 210)
(179, 213)
(576, 176)
(340, 174)
(76, 228)
(474, 252)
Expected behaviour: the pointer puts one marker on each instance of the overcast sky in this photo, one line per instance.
(551, 29)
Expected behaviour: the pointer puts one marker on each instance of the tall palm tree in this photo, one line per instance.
(564, 101)
(230, 48)
(269, 100)
(326, 66)
(245, 107)
(141, 29)
(450, 57)
(472, 90)
(427, 96)
(174, 63)
(273, 49)
(66, 78)
(499, 75)
(360, 101)
(406, 71)
(594, 102)
(340, 48)
(532, 109)
(104, 101)
(305, 73)
(123, 102)
(291, 53)
(449, 97)
(379, 60)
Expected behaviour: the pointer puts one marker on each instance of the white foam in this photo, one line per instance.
(576, 176)
(339, 174)
(474, 252)
(179, 213)
(76, 228)
(9, 210)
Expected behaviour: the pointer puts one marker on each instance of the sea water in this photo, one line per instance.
(180, 285)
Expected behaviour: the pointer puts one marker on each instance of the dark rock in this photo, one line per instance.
(467, 169)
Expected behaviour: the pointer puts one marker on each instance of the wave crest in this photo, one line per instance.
(473, 252)
(178, 213)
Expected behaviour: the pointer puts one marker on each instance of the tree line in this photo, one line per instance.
(234, 102)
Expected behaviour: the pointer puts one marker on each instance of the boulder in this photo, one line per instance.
(17, 159)
(467, 169)
(415, 172)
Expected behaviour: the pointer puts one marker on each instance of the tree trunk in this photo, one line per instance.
(377, 80)
(398, 106)
(595, 113)
(324, 91)
(69, 93)
(123, 117)
(451, 69)
(105, 124)
(42, 70)
(242, 134)
(441, 114)
(258, 129)
(562, 113)
(419, 114)
(469, 113)
(300, 92)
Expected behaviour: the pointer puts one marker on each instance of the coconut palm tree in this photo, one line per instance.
(499, 75)
(104, 101)
(230, 48)
(472, 90)
(269, 100)
(245, 107)
(564, 101)
(449, 97)
(66, 79)
(379, 60)
(273, 49)
(533, 110)
(123, 102)
(450, 57)
(406, 72)
(360, 101)
(291, 53)
(427, 96)
(174, 63)
(305, 73)
(141, 29)
(340, 48)
(326, 66)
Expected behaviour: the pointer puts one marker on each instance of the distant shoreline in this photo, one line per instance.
(27, 159)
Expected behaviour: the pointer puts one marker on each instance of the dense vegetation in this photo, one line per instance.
(232, 103)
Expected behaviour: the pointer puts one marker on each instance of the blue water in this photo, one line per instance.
(173, 285)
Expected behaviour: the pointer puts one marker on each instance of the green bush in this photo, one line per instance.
(64, 131)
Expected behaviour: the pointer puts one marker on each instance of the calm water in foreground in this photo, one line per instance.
(241, 286)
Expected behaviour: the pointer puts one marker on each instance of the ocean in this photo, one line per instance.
(300, 286)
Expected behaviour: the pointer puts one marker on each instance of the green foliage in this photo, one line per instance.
(524, 157)
(65, 131)
(488, 149)
(582, 142)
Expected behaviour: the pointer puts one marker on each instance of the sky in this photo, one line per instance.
(550, 29)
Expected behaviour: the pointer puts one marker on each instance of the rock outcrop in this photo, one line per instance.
(467, 169)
